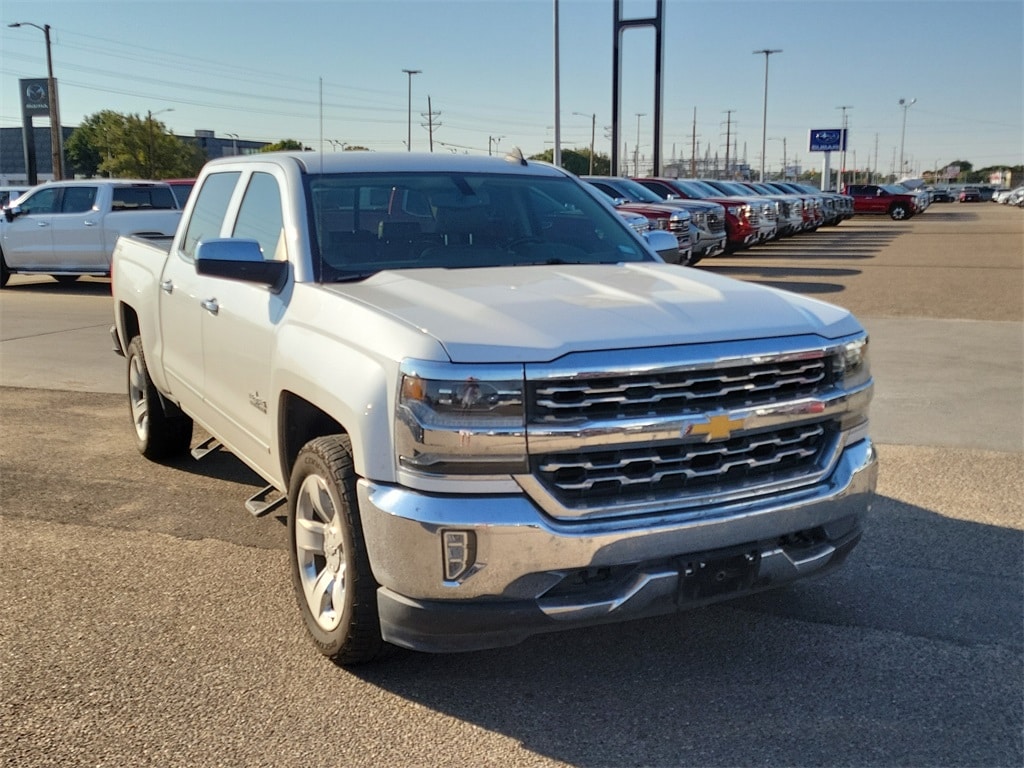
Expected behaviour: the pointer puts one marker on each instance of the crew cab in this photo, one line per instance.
(741, 218)
(68, 228)
(897, 202)
(488, 407)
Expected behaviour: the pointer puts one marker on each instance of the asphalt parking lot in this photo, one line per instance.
(147, 618)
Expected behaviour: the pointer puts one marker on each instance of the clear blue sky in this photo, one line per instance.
(254, 68)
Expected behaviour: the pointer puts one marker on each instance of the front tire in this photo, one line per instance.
(162, 431)
(66, 279)
(899, 213)
(5, 273)
(334, 586)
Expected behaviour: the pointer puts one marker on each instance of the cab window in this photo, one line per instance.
(43, 201)
(260, 217)
(78, 199)
(209, 210)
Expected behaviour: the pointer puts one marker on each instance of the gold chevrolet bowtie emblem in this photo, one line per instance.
(718, 427)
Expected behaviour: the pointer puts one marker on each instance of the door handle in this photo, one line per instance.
(42, 223)
(89, 223)
(210, 305)
(167, 286)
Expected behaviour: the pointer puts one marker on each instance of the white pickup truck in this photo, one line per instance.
(68, 229)
(491, 409)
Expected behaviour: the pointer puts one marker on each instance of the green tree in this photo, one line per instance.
(283, 145)
(578, 161)
(129, 146)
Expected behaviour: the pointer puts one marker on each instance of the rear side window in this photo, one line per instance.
(78, 199)
(209, 210)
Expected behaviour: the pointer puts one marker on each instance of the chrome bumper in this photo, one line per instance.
(516, 585)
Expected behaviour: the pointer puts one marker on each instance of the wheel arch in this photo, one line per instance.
(300, 421)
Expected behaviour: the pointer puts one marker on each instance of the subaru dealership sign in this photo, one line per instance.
(828, 140)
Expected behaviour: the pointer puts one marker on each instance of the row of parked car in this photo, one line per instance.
(711, 216)
(1013, 196)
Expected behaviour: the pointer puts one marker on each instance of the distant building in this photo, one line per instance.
(12, 151)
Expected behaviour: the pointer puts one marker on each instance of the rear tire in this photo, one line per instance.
(334, 586)
(162, 431)
(5, 273)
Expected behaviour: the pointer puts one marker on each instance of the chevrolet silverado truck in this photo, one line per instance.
(490, 409)
(68, 229)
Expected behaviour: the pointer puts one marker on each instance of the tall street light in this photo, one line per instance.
(636, 149)
(151, 130)
(410, 73)
(593, 126)
(842, 162)
(51, 87)
(903, 133)
(764, 118)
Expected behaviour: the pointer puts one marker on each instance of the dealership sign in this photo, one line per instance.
(828, 140)
(35, 97)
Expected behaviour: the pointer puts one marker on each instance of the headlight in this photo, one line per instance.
(460, 420)
(851, 364)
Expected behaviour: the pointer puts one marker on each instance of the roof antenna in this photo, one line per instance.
(515, 155)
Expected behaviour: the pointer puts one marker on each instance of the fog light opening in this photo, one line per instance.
(459, 553)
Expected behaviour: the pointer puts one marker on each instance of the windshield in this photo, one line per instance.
(637, 192)
(366, 223)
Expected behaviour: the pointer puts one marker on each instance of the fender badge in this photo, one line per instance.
(718, 427)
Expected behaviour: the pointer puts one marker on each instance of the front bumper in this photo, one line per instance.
(532, 574)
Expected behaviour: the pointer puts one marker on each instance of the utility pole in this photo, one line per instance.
(636, 151)
(593, 129)
(56, 140)
(728, 139)
(430, 114)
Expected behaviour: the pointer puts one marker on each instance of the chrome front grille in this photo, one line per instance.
(602, 468)
(716, 223)
(670, 393)
(687, 472)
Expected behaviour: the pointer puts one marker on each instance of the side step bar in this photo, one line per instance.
(258, 505)
(209, 445)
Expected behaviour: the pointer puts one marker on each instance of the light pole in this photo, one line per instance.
(636, 149)
(57, 155)
(234, 143)
(764, 116)
(151, 130)
(593, 126)
(493, 140)
(903, 133)
(784, 159)
(410, 73)
(842, 161)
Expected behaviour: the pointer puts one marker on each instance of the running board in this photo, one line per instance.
(209, 445)
(258, 505)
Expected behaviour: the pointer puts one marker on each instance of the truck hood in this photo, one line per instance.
(540, 313)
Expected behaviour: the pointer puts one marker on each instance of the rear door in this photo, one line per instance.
(77, 231)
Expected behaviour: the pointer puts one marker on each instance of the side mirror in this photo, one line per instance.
(672, 196)
(239, 259)
(13, 212)
(664, 243)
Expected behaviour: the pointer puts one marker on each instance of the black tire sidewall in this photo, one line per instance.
(356, 639)
(167, 435)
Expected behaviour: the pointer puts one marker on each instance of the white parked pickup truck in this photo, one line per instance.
(491, 409)
(68, 228)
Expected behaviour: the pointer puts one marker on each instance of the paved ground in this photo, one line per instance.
(147, 619)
